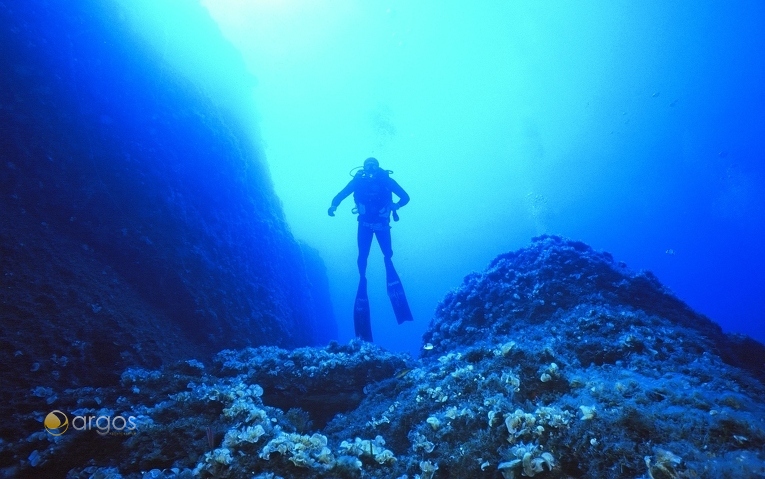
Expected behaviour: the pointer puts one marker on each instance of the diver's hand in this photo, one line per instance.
(393, 209)
(331, 211)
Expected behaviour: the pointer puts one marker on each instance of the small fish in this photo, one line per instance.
(402, 373)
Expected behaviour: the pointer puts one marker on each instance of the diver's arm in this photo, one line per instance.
(403, 197)
(344, 193)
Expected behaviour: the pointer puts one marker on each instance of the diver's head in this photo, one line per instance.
(371, 165)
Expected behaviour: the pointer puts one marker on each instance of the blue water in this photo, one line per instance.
(636, 127)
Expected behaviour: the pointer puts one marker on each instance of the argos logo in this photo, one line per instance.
(57, 423)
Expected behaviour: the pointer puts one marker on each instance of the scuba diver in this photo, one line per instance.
(372, 189)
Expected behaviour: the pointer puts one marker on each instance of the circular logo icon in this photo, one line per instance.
(56, 423)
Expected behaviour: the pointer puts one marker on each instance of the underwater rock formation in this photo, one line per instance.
(555, 278)
(598, 385)
(139, 222)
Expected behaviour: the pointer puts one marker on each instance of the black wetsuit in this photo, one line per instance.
(374, 217)
(372, 191)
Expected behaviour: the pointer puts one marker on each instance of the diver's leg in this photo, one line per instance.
(395, 289)
(364, 240)
(384, 240)
(361, 322)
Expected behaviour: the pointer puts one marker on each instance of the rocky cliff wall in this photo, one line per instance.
(139, 223)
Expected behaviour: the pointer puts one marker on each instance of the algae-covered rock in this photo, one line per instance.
(601, 384)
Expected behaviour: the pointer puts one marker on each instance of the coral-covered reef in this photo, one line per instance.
(556, 362)
(557, 281)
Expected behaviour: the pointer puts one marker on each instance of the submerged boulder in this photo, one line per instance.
(602, 384)
(555, 281)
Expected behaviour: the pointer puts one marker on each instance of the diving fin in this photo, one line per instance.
(361, 322)
(397, 295)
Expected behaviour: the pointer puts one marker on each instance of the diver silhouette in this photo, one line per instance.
(372, 189)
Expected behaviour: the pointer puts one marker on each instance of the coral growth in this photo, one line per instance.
(590, 388)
